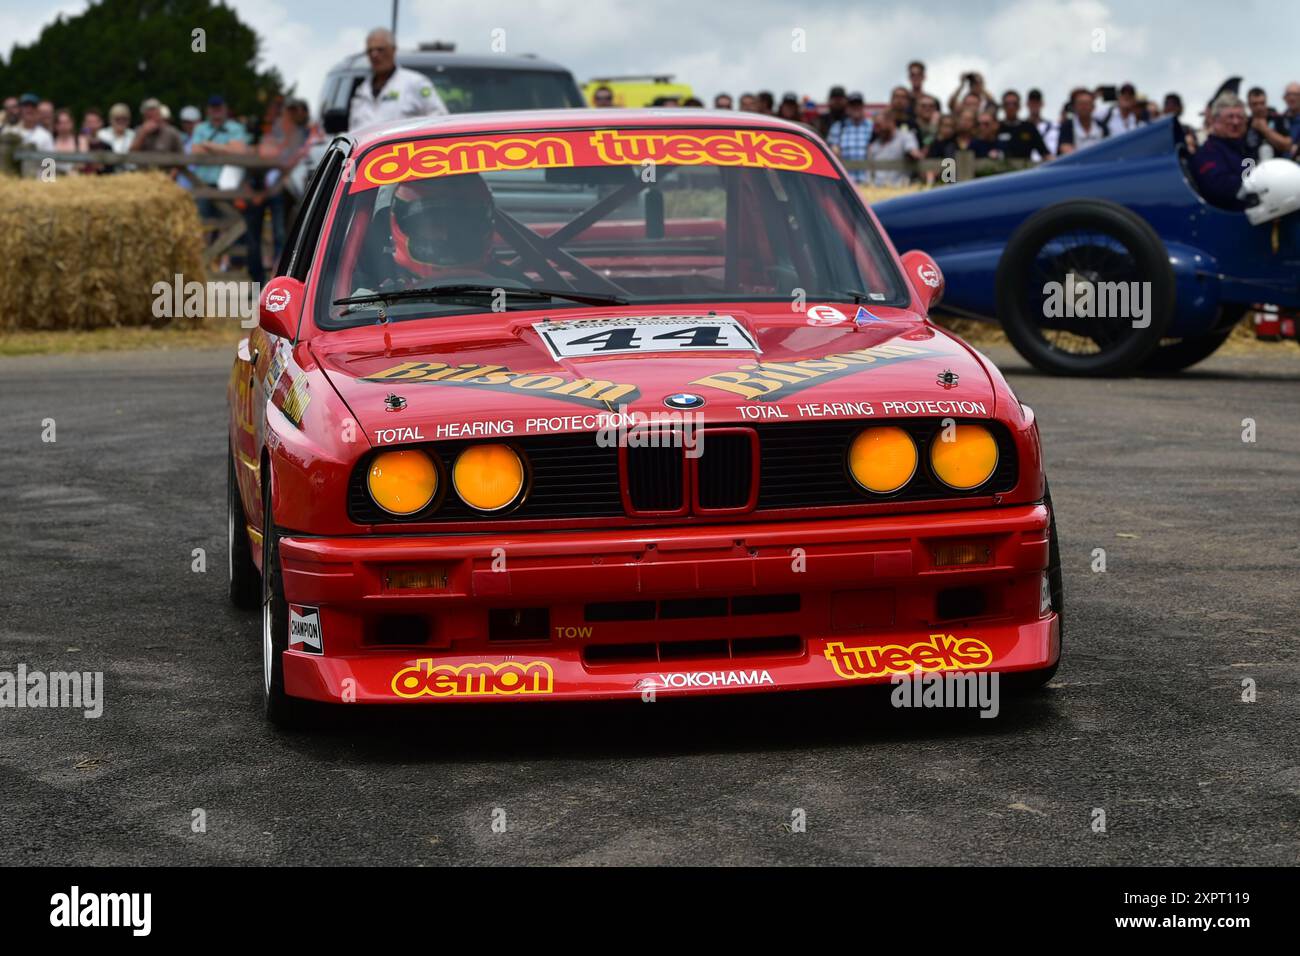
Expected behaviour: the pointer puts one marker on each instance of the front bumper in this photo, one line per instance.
(616, 613)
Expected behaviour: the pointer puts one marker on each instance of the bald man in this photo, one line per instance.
(390, 92)
(1292, 115)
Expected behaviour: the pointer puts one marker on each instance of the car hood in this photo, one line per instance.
(491, 375)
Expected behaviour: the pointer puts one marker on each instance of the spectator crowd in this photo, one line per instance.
(283, 133)
(917, 125)
(914, 125)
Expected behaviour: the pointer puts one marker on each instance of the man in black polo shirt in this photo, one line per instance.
(837, 102)
(1267, 134)
(1017, 138)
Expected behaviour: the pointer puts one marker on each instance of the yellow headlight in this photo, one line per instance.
(402, 482)
(882, 459)
(968, 460)
(488, 477)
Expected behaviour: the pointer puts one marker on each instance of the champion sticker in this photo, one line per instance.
(304, 629)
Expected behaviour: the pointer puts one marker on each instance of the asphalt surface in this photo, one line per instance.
(1144, 721)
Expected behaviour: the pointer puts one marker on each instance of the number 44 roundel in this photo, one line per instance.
(630, 334)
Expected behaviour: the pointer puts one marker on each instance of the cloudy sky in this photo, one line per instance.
(1160, 45)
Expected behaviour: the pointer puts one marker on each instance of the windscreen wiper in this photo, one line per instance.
(857, 295)
(459, 289)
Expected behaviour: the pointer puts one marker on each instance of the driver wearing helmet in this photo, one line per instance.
(442, 231)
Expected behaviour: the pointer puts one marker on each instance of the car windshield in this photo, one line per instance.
(557, 220)
(471, 90)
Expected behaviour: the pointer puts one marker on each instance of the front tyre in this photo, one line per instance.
(1022, 681)
(244, 581)
(280, 709)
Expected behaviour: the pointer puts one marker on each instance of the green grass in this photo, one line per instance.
(214, 333)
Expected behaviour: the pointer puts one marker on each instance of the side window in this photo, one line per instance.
(313, 217)
(300, 243)
(295, 227)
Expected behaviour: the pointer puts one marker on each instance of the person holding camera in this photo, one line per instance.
(972, 83)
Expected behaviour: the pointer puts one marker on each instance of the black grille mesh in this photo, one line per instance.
(654, 478)
(802, 465)
(726, 470)
(805, 464)
(570, 476)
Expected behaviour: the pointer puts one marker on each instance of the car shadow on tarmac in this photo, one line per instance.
(666, 726)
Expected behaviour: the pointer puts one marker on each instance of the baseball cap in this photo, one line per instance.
(28, 99)
(855, 99)
(835, 91)
(216, 99)
(190, 114)
(152, 103)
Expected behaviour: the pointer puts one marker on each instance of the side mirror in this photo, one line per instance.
(925, 276)
(281, 307)
(334, 121)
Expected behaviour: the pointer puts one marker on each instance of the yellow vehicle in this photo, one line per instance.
(637, 91)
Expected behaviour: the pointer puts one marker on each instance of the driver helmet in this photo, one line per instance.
(1271, 190)
(442, 225)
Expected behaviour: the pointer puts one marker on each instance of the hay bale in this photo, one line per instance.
(84, 252)
(874, 194)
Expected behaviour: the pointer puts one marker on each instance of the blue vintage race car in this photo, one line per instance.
(1103, 262)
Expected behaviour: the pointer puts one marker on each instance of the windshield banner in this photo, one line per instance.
(450, 156)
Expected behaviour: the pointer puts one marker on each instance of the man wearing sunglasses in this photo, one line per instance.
(390, 92)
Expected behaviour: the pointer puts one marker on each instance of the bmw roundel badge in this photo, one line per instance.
(684, 400)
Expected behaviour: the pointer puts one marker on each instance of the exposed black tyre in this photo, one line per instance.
(1023, 681)
(245, 583)
(280, 709)
(1176, 355)
(1096, 242)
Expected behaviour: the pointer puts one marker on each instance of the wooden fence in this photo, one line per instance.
(227, 222)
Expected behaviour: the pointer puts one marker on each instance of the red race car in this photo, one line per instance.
(592, 404)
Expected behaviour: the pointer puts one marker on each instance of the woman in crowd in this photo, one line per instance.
(67, 140)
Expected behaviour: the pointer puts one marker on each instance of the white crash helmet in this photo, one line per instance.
(1271, 190)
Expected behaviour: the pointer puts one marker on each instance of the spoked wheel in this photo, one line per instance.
(1085, 288)
(1174, 355)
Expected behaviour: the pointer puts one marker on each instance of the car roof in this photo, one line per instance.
(576, 118)
(418, 59)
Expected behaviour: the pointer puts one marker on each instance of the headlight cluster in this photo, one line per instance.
(883, 459)
(486, 477)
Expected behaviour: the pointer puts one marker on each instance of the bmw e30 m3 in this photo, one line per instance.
(577, 405)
